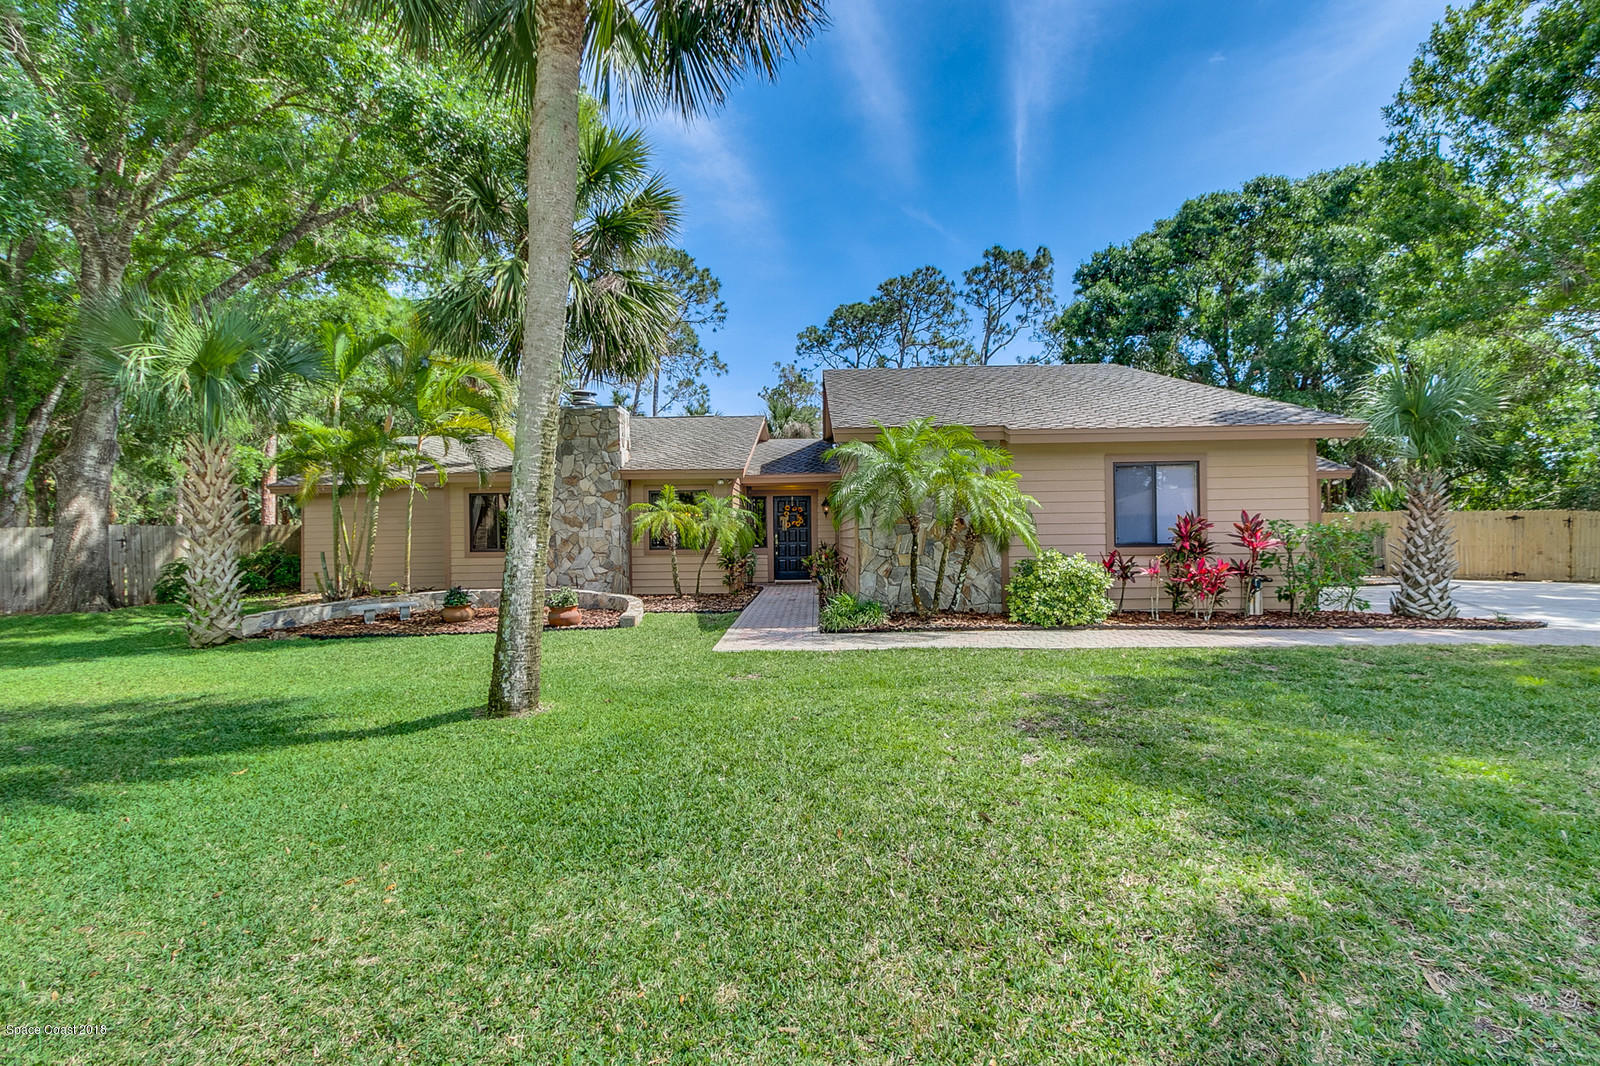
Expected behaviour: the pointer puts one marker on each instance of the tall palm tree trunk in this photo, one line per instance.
(711, 546)
(211, 516)
(967, 549)
(1428, 557)
(938, 577)
(552, 203)
(677, 589)
(916, 556)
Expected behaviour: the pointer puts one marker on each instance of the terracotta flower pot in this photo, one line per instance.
(457, 614)
(562, 617)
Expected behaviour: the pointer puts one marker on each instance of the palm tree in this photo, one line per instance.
(888, 481)
(997, 511)
(959, 475)
(1430, 407)
(207, 366)
(722, 520)
(441, 400)
(660, 52)
(346, 356)
(670, 519)
(620, 314)
(359, 456)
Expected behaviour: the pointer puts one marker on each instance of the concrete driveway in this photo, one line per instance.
(1567, 605)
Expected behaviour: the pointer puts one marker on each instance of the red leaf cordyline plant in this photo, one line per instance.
(1206, 582)
(1123, 569)
(1251, 534)
(1191, 541)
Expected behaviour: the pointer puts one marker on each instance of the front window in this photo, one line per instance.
(690, 497)
(758, 505)
(1149, 497)
(486, 521)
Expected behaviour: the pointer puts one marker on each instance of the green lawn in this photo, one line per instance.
(288, 849)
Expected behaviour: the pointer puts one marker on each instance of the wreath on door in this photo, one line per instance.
(793, 516)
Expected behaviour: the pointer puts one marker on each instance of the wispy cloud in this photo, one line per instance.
(859, 27)
(1311, 82)
(917, 214)
(721, 193)
(1048, 40)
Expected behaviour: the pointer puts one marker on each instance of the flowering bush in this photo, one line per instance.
(1054, 590)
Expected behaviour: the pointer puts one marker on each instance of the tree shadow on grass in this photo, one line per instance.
(1389, 814)
(57, 753)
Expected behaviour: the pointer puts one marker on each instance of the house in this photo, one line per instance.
(1111, 453)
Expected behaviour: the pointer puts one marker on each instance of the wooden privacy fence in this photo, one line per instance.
(137, 555)
(1515, 545)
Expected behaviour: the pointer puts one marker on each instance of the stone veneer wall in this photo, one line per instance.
(589, 516)
(885, 573)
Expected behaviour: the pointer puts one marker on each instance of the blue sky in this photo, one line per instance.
(923, 131)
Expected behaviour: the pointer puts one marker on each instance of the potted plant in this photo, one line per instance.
(457, 605)
(561, 608)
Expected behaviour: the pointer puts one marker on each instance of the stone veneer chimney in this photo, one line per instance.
(588, 518)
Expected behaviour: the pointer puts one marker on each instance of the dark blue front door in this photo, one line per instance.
(791, 537)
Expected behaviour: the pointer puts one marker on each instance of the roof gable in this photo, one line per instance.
(693, 442)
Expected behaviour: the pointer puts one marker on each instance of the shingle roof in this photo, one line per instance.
(1038, 397)
(706, 442)
(1327, 468)
(486, 453)
(792, 457)
(481, 453)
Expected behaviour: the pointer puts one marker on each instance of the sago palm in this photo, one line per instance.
(888, 481)
(682, 54)
(721, 520)
(207, 366)
(1429, 407)
(670, 519)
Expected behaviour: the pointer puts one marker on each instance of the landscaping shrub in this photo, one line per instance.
(826, 566)
(267, 569)
(845, 611)
(169, 586)
(1322, 564)
(1054, 590)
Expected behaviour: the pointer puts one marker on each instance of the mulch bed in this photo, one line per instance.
(1220, 620)
(430, 624)
(709, 603)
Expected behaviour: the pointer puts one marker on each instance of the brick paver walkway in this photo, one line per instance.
(784, 618)
(780, 617)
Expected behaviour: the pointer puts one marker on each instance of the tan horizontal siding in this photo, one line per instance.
(652, 567)
(429, 540)
(469, 569)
